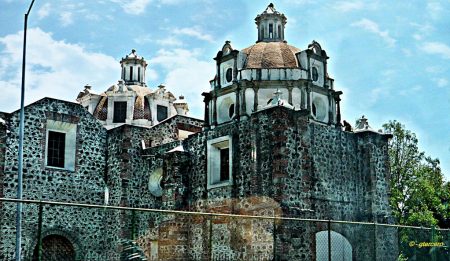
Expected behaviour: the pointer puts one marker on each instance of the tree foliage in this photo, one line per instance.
(419, 194)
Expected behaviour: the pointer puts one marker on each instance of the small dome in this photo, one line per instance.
(269, 55)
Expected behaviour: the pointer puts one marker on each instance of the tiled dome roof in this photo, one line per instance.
(266, 55)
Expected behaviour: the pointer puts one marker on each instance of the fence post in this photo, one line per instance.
(433, 249)
(274, 240)
(448, 246)
(133, 224)
(210, 238)
(41, 209)
(375, 241)
(329, 240)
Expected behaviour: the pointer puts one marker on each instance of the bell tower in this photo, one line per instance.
(133, 69)
(270, 25)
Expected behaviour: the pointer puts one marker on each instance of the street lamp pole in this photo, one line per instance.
(21, 128)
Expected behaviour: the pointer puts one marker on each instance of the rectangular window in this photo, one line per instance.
(56, 149)
(270, 30)
(120, 112)
(60, 144)
(219, 162)
(161, 112)
(224, 164)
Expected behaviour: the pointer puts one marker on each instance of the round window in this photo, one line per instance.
(229, 75)
(315, 74)
(231, 111)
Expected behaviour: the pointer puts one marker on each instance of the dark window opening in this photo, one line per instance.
(315, 74)
(120, 112)
(279, 31)
(262, 33)
(139, 74)
(224, 164)
(161, 112)
(56, 149)
(131, 73)
(270, 30)
(229, 75)
(231, 111)
(314, 110)
(123, 73)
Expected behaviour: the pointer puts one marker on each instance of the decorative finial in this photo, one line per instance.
(133, 51)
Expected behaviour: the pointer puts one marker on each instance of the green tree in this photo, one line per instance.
(419, 195)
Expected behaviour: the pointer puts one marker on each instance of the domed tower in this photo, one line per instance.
(130, 101)
(249, 80)
(133, 69)
(270, 25)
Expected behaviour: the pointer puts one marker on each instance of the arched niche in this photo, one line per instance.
(55, 247)
(341, 249)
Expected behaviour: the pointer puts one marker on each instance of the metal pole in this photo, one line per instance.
(21, 128)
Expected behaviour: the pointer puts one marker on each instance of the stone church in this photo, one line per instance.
(271, 144)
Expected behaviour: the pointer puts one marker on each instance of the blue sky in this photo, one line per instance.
(390, 58)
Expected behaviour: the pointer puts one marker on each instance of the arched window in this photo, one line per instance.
(341, 249)
(139, 74)
(270, 30)
(131, 73)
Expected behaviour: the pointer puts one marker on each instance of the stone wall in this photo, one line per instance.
(284, 165)
(83, 185)
(309, 170)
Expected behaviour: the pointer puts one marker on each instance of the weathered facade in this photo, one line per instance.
(272, 144)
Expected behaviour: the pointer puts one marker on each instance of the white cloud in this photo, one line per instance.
(423, 30)
(434, 10)
(66, 18)
(44, 11)
(54, 69)
(434, 69)
(410, 91)
(187, 75)
(195, 32)
(407, 52)
(135, 7)
(441, 82)
(347, 6)
(373, 27)
(437, 48)
(170, 41)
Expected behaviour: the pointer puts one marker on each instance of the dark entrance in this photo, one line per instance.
(55, 248)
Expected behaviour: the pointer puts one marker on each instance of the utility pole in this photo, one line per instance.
(21, 128)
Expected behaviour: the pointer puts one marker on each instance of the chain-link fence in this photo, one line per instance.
(65, 231)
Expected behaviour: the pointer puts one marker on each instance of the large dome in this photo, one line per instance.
(266, 55)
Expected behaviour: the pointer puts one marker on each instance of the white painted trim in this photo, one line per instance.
(70, 130)
(213, 164)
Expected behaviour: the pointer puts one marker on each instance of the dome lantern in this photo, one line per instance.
(133, 69)
(270, 25)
